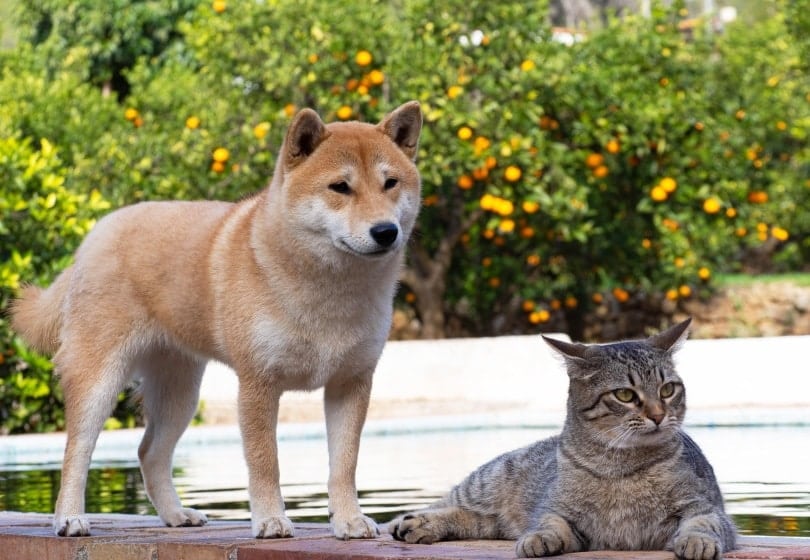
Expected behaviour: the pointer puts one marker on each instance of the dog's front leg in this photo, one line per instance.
(346, 404)
(258, 415)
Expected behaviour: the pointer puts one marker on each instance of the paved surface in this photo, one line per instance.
(133, 537)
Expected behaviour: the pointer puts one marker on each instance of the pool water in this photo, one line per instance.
(764, 473)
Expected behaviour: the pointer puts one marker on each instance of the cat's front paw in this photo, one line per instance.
(413, 528)
(539, 543)
(697, 546)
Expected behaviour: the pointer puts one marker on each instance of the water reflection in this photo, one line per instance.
(401, 473)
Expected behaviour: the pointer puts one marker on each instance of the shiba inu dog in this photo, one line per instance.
(293, 288)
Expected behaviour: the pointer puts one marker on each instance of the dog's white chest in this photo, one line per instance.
(307, 360)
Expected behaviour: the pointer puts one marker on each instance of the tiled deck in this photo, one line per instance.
(26, 536)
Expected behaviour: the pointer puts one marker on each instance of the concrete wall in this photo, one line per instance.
(727, 380)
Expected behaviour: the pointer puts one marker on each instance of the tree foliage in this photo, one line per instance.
(560, 181)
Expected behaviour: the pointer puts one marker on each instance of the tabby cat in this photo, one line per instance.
(622, 475)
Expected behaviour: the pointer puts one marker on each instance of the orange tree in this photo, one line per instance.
(627, 167)
(624, 168)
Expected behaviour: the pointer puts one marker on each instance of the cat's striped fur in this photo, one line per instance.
(622, 475)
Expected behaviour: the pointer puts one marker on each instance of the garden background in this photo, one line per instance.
(595, 181)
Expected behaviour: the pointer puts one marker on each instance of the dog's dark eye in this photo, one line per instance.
(341, 187)
(390, 183)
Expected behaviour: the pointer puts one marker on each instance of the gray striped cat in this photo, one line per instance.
(622, 475)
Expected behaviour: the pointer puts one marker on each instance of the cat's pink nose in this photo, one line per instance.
(655, 412)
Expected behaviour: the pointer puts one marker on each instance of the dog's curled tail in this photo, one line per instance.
(36, 315)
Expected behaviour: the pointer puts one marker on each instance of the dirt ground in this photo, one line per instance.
(760, 309)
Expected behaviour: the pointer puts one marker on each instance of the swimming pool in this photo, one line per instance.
(764, 471)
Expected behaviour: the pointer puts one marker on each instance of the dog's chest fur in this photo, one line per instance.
(304, 359)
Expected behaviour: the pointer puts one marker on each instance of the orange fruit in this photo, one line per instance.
(601, 172)
(261, 130)
(613, 146)
(363, 58)
(620, 294)
(506, 226)
(711, 205)
(131, 114)
(465, 133)
(376, 77)
(344, 113)
(512, 173)
(192, 122)
(530, 206)
(464, 182)
(658, 194)
(221, 155)
(668, 184)
(594, 160)
(779, 233)
(219, 6)
(540, 316)
(454, 91)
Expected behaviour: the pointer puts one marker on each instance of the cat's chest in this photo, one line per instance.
(609, 510)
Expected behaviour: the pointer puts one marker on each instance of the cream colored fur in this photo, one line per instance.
(293, 288)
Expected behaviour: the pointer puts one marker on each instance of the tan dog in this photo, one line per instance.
(293, 288)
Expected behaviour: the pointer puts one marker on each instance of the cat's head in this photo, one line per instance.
(626, 394)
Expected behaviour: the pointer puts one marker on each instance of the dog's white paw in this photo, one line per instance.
(185, 517)
(276, 527)
(356, 527)
(71, 526)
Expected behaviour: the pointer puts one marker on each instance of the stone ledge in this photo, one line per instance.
(28, 536)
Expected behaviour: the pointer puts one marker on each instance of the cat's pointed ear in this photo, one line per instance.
(672, 338)
(571, 350)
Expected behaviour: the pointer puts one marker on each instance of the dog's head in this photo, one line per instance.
(351, 187)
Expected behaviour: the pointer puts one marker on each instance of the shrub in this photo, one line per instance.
(43, 221)
(625, 169)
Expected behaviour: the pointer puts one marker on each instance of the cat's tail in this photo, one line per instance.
(37, 314)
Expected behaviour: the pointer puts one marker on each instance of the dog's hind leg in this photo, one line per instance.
(90, 390)
(170, 390)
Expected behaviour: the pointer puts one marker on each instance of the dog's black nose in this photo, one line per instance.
(385, 233)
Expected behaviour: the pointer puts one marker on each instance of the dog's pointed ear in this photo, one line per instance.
(403, 125)
(306, 132)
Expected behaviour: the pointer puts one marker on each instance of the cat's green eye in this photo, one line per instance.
(667, 389)
(624, 395)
